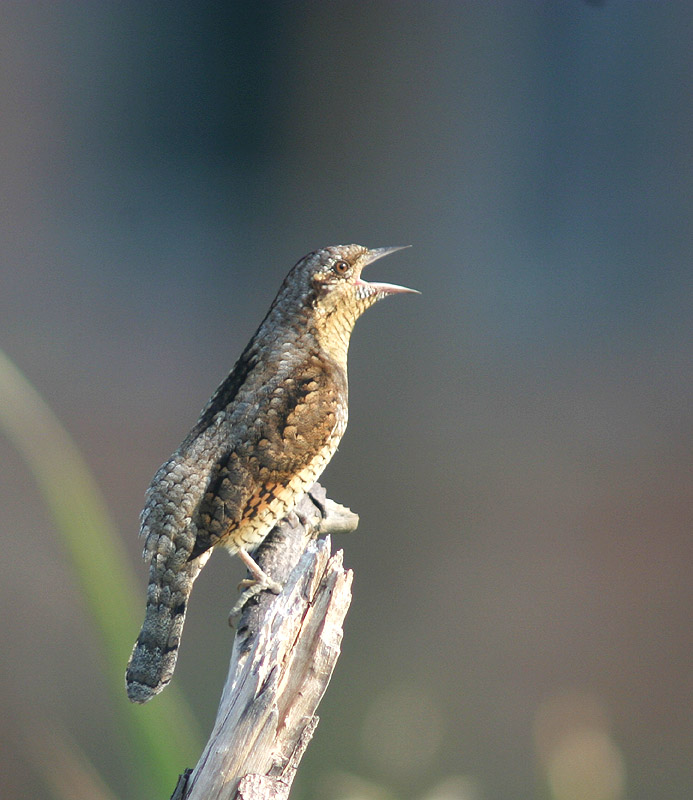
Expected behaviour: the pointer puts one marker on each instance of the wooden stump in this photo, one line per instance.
(284, 653)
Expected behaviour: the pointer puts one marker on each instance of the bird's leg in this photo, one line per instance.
(261, 577)
(260, 582)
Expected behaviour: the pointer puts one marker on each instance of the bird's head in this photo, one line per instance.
(326, 289)
(322, 296)
(335, 278)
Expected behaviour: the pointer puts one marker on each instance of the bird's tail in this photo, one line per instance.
(154, 655)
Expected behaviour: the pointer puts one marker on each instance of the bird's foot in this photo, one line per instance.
(261, 582)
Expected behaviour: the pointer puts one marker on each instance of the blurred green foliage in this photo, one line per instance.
(163, 734)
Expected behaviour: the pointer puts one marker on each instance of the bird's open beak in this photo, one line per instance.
(382, 288)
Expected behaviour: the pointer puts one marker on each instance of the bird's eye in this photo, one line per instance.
(341, 267)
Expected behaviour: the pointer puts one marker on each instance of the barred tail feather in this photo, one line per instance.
(154, 655)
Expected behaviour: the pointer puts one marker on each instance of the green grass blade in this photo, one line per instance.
(163, 733)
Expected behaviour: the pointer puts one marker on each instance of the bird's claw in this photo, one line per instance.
(252, 587)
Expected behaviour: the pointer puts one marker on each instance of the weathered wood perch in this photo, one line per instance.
(284, 652)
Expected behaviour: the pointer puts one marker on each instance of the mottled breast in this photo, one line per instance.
(271, 451)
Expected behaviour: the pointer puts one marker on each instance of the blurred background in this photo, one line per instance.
(519, 448)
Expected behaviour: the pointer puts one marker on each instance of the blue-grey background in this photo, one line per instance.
(520, 437)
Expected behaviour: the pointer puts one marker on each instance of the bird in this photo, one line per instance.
(264, 437)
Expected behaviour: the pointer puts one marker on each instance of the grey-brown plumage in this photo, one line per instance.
(264, 437)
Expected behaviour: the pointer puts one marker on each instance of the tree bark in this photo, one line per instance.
(283, 656)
